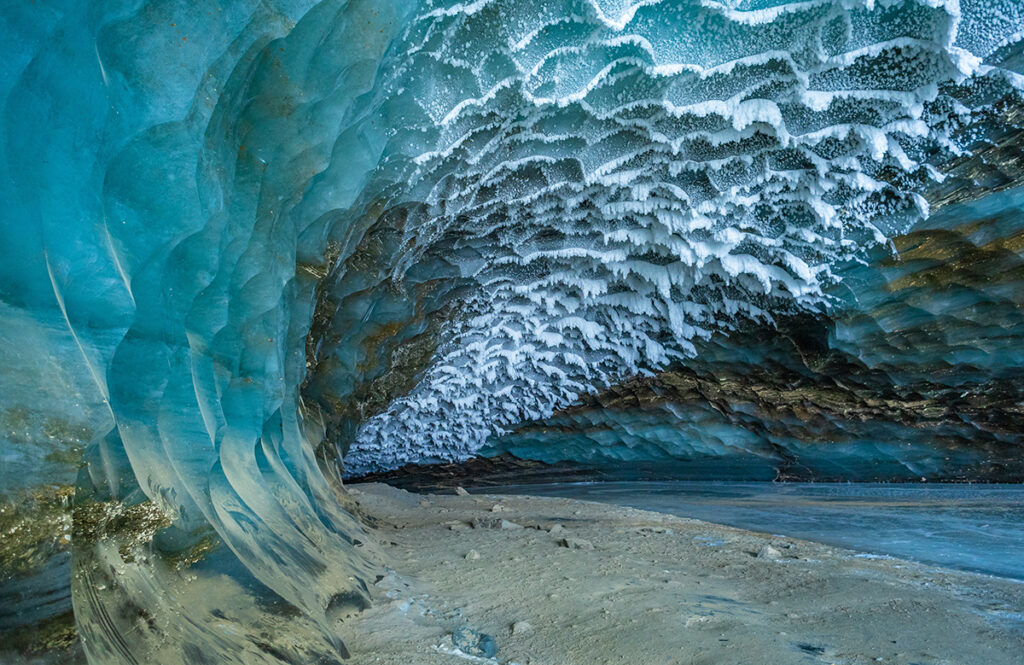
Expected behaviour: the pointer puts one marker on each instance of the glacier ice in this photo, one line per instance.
(252, 236)
(620, 189)
(913, 374)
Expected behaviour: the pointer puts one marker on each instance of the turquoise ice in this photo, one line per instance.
(257, 239)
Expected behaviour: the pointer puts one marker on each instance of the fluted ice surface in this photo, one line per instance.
(617, 185)
(282, 229)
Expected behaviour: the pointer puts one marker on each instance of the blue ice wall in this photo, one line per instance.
(162, 154)
(273, 233)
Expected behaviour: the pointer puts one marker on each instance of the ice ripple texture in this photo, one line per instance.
(618, 184)
(281, 229)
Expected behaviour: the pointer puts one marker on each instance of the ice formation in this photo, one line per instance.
(914, 374)
(615, 188)
(280, 231)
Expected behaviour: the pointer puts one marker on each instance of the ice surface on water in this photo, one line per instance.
(978, 528)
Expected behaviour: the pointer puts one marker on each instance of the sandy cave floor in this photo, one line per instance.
(658, 589)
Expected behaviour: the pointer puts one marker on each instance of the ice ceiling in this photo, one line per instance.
(772, 236)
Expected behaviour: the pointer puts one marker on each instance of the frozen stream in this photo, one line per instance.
(970, 527)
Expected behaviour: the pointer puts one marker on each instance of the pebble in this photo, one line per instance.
(769, 552)
(474, 643)
(494, 523)
(654, 529)
(461, 491)
(521, 628)
(472, 555)
(557, 528)
(576, 543)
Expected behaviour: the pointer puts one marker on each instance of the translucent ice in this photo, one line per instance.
(272, 232)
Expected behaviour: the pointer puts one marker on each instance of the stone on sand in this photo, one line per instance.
(576, 543)
(521, 628)
(474, 643)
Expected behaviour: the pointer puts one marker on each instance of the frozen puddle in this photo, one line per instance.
(978, 528)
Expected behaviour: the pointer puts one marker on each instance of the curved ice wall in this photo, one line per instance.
(282, 230)
(618, 182)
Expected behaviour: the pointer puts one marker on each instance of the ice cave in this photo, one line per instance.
(512, 332)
